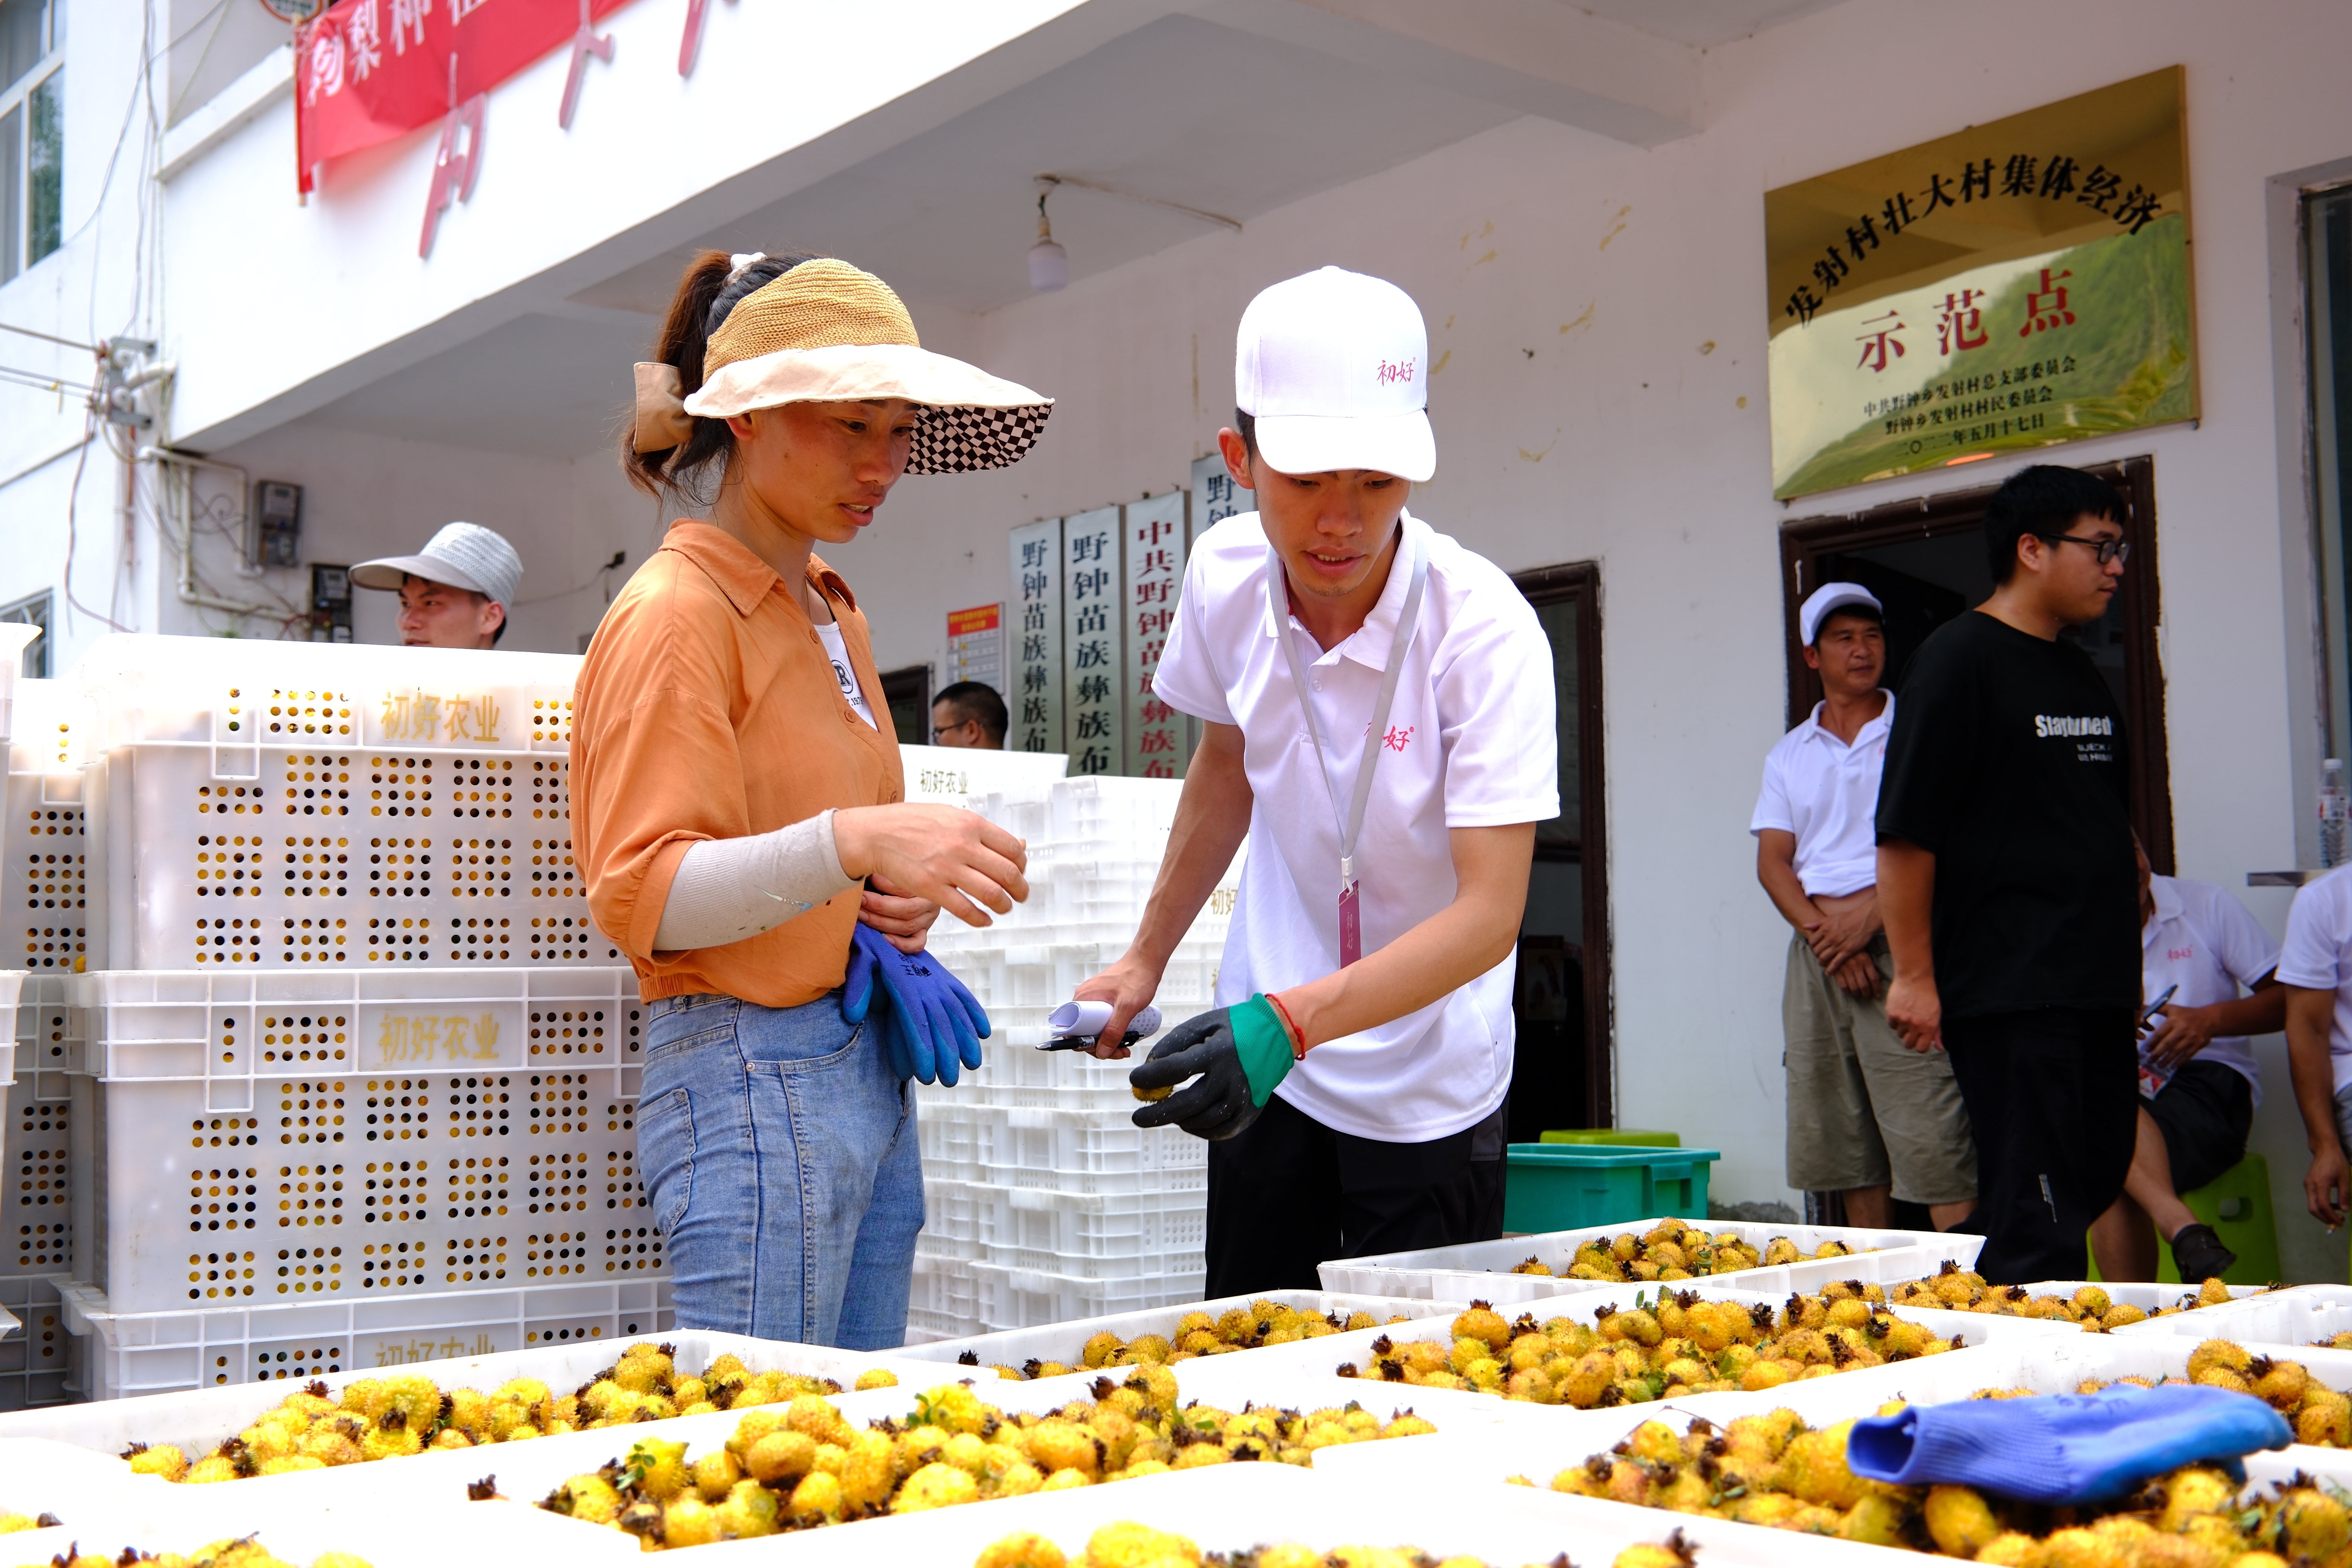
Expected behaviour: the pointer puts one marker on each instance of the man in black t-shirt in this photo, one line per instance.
(2006, 878)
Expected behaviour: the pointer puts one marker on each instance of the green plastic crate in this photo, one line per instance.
(1615, 1135)
(1549, 1186)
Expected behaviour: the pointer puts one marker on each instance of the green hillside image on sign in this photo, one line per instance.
(2022, 283)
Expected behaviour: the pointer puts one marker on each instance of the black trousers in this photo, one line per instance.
(1287, 1193)
(2053, 1097)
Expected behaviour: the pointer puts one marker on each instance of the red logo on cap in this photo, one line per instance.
(1391, 372)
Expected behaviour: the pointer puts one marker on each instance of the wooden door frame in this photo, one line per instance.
(1926, 517)
(1580, 581)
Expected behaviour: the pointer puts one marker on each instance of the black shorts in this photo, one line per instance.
(2204, 1113)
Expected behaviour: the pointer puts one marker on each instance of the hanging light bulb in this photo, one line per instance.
(1049, 264)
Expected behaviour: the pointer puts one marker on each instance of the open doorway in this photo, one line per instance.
(1563, 1074)
(1925, 559)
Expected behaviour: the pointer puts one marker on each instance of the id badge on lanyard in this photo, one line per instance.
(1351, 919)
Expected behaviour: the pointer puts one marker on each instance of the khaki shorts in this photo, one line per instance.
(1866, 1109)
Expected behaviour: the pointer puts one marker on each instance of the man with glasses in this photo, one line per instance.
(971, 715)
(2006, 880)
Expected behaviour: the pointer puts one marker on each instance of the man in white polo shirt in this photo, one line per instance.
(2317, 970)
(1353, 1076)
(2198, 1085)
(1865, 1114)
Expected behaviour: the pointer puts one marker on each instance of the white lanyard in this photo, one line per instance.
(1353, 824)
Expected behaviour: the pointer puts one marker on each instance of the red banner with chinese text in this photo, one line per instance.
(368, 70)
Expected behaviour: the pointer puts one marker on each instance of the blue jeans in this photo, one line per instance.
(781, 1160)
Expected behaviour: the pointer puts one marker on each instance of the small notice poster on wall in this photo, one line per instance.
(1154, 571)
(976, 646)
(1092, 642)
(1033, 696)
(2020, 283)
(1215, 496)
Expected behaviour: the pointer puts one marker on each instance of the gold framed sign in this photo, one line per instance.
(2021, 283)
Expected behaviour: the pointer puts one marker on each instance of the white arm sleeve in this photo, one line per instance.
(730, 889)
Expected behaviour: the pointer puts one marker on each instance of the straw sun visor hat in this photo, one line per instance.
(826, 332)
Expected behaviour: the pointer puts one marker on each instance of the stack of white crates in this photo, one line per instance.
(342, 1073)
(1045, 1201)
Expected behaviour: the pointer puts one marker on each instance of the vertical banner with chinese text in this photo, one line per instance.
(1215, 496)
(2023, 283)
(1092, 642)
(1156, 733)
(976, 647)
(1033, 694)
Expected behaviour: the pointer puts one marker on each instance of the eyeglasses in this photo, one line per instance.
(939, 729)
(2108, 548)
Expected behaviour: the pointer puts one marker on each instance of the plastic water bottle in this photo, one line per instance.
(2334, 811)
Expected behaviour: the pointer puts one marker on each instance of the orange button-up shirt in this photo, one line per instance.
(707, 708)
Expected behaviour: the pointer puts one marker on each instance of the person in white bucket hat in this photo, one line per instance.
(456, 592)
(1377, 714)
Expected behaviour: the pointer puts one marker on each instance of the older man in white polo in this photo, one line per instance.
(455, 593)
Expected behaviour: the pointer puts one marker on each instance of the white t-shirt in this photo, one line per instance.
(1826, 793)
(2318, 955)
(2203, 941)
(1472, 742)
(838, 651)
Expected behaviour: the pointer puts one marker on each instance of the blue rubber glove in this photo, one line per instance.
(2066, 1448)
(934, 1025)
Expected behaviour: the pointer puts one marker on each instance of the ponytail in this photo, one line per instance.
(691, 474)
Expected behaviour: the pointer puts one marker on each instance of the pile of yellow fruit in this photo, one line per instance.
(243, 1553)
(1127, 1545)
(804, 1465)
(1681, 1345)
(1197, 1334)
(1675, 1249)
(1775, 1470)
(18, 1523)
(1956, 1289)
(390, 1418)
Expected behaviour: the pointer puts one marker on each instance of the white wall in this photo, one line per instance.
(1635, 434)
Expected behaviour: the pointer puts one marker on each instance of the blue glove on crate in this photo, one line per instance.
(2065, 1448)
(932, 1026)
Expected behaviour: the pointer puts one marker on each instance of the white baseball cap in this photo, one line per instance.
(463, 554)
(1334, 367)
(1828, 597)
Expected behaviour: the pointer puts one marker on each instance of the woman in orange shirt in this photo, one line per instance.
(732, 787)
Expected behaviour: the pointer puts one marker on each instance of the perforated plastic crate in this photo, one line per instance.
(1059, 1150)
(945, 1299)
(35, 1366)
(260, 1137)
(1098, 1237)
(44, 848)
(1013, 1298)
(152, 1352)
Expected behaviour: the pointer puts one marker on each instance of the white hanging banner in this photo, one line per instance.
(1156, 733)
(1215, 496)
(1033, 694)
(1092, 642)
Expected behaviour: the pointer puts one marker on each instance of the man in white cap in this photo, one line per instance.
(455, 593)
(1866, 1114)
(1377, 712)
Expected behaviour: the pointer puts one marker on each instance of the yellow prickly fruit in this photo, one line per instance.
(1671, 1553)
(2224, 1354)
(780, 1455)
(2193, 1491)
(163, 1459)
(2312, 1525)
(690, 1521)
(1875, 1520)
(1654, 1442)
(1959, 1521)
(588, 1496)
(2009, 1549)
(1026, 1549)
(1482, 1323)
(2282, 1383)
(873, 1377)
(819, 1494)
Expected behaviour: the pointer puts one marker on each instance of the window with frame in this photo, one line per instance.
(32, 132)
(32, 612)
(2327, 272)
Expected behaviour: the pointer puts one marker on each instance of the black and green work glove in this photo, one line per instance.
(1238, 1054)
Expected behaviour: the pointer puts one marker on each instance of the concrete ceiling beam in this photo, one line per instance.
(1541, 58)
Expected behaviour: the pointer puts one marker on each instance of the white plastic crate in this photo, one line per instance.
(1102, 1235)
(1482, 1269)
(199, 1419)
(943, 1301)
(1059, 1150)
(152, 1352)
(952, 776)
(1229, 1509)
(36, 1217)
(254, 1139)
(2298, 1317)
(1062, 1342)
(44, 849)
(87, 1492)
(35, 1363)
(1010, 1297)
